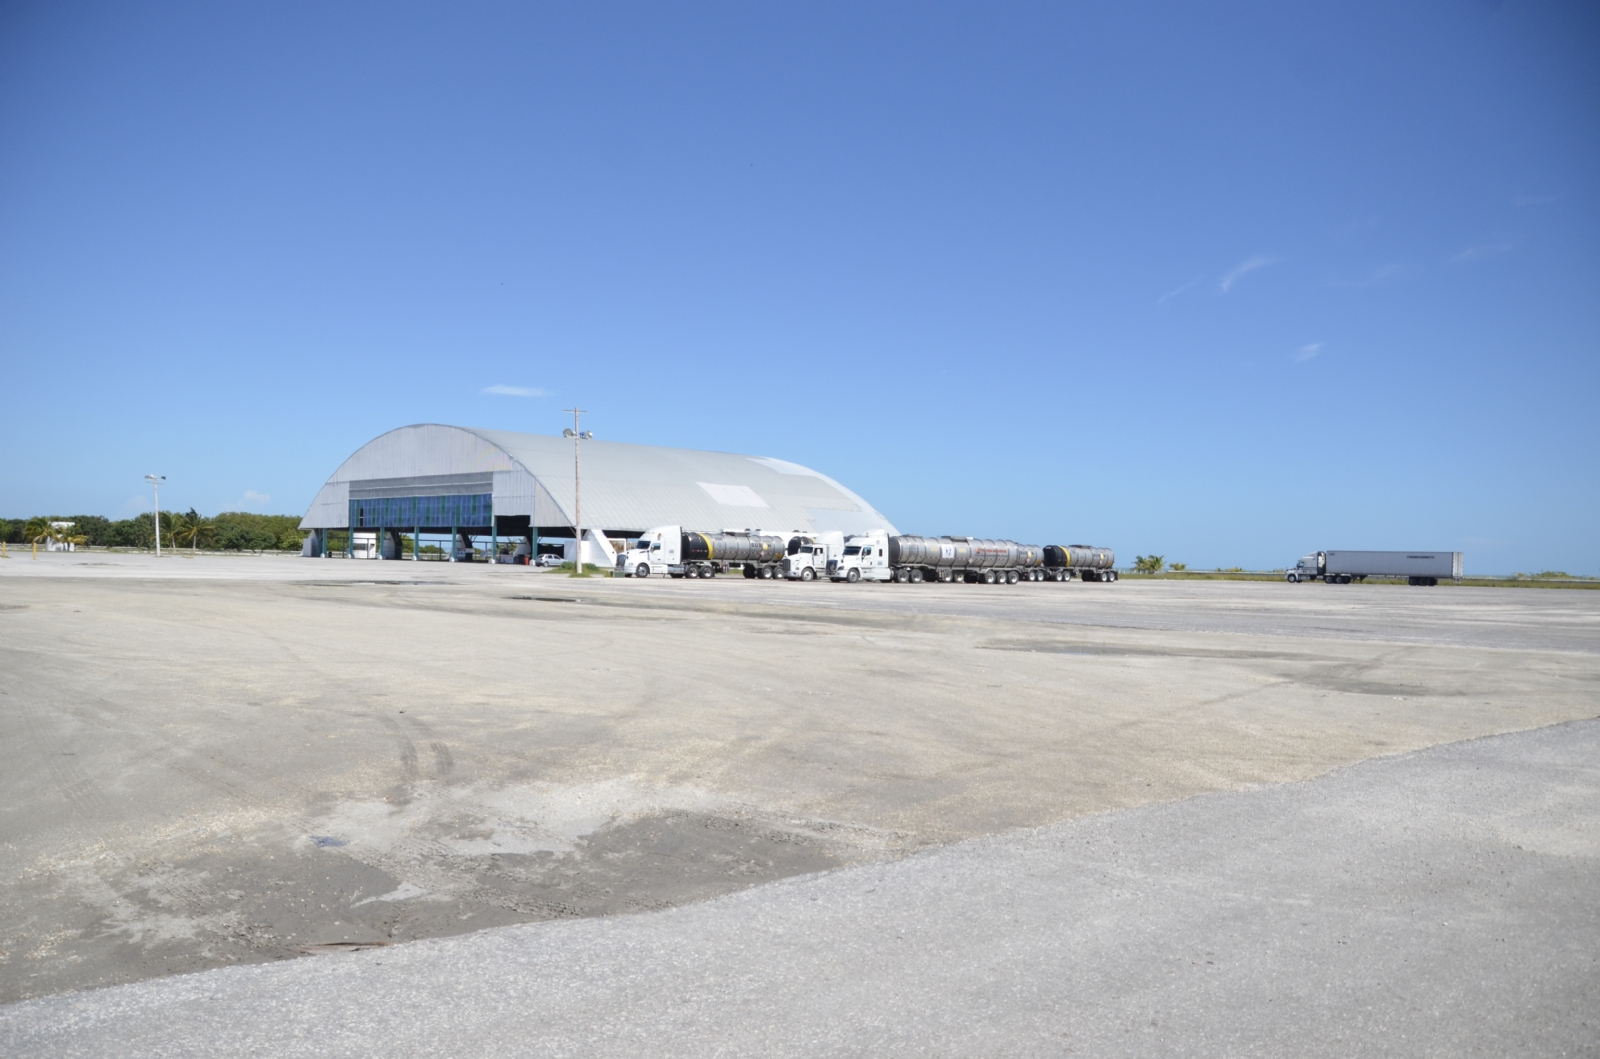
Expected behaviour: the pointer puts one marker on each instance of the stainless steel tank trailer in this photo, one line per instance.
(974, 560)
(901, 559)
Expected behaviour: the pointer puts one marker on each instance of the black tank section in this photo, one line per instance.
(1079, 556)
(731, 548)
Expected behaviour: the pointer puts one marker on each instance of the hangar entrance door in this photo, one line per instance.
(383, 511)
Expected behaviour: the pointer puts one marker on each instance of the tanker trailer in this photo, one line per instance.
(1061, 561)
(673, 551)
(904, 558)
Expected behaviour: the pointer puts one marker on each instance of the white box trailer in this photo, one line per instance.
(1343, 567)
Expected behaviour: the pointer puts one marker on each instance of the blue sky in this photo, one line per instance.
(1223, 282)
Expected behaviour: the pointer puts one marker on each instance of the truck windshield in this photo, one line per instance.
(854, 549)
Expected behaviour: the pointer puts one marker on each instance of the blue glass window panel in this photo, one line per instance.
(405, 512)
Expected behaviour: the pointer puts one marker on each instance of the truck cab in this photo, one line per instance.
(1309, 568)
(658, 551)
(809, 556)
(864, 558)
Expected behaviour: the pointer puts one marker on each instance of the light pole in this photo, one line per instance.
(578, 438)
(155, 481)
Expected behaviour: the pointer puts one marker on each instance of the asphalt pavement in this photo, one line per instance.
(1440, 902)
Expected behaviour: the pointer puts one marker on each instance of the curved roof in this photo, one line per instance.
(625, 487)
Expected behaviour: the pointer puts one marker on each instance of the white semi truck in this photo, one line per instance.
(675, 552)
(902, 559)
(809, 555)
(1343, 567)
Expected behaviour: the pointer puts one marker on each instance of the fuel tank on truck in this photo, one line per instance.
(962, 553)
(1079, 556)
(987, 554)
(732, 548)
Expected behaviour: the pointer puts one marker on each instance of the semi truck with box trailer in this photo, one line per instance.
(1343, 567)
(672, 551)
(974, 560)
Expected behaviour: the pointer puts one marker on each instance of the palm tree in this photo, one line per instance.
(194, 528)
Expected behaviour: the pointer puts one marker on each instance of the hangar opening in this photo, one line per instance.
(460, 493)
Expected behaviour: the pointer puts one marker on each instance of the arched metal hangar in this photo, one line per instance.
(438, 479)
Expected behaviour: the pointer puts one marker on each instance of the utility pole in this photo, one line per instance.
(578, 438)
(155, 481)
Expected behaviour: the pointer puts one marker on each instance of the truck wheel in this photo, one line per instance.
(642, 570)
(916, 577)
(808, 574)
(853, 576)
(1011, 577)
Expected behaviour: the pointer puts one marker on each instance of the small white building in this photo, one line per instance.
(53, 545)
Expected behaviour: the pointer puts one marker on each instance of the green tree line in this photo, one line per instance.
(230, 531)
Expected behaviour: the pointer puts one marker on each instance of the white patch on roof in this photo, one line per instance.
(732, 495)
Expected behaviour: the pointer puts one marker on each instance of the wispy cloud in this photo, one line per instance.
(1308, 352)
(1244, 268)
(1171, 294)
(1481, 251)
(500, 389)
(255, 499)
